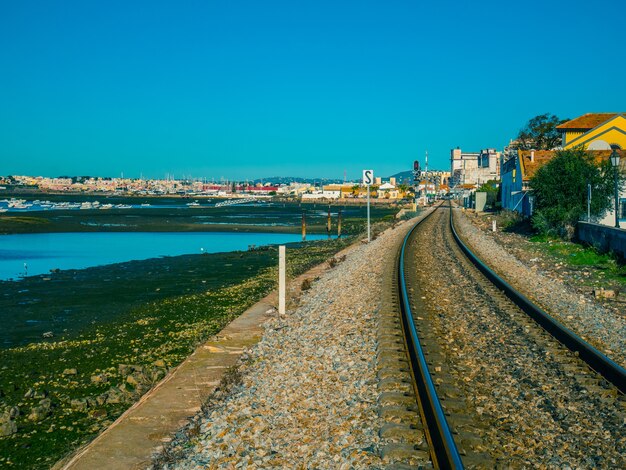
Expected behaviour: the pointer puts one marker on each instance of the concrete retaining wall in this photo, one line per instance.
(603, 237)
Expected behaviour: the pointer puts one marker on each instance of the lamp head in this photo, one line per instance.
(615, 158)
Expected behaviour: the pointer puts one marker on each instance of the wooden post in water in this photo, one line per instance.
(339, 224)
(328, 223)
(303, 227)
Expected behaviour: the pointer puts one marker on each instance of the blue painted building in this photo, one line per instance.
(515, 173)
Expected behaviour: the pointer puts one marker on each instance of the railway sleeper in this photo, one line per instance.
(406, 399)
(459, 421)
(449, 391)
(389, 315)
(390, 335)
(391, 361)
(404, 433)
(407, 455)
(400, 414)
(390, 331)
(390, 345)
(478, 460)
(386, 373)
(401, 385)
(452, 404)
(388, 324)
(389, 354)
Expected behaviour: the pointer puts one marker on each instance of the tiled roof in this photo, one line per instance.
(602, 155)
(587, 121)
(529, 169)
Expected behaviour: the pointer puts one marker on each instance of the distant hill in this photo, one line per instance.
(405, 177)
(296, 179)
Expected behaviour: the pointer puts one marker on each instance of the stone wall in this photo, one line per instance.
(603, 237)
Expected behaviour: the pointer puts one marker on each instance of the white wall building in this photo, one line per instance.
(469, 168)
(322, 195)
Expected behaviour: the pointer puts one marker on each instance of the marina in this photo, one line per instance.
(14, 205)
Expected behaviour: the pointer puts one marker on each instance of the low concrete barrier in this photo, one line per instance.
(602, 237)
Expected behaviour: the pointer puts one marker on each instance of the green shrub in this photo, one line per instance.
(560, 190)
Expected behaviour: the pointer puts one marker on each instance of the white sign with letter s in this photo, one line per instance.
(368, 177)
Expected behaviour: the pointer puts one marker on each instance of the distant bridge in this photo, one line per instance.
(232, 202)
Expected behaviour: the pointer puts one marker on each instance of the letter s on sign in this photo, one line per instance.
(368, 177)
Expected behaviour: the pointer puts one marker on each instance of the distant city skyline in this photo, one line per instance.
(245, 90)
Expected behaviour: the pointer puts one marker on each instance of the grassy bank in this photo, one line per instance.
(584, 258)
(583, 266)
(117, 330)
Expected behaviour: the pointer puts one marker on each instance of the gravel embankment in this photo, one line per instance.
(531, 404)
(605, 329)
(308, 395)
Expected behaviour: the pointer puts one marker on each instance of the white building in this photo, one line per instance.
(388, 191)
(473, 168)
(322, 195)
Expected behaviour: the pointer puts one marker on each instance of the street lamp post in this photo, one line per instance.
(615, 163)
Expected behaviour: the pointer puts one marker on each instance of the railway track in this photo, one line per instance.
(496, 382)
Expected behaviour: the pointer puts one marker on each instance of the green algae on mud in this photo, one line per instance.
(70, 387)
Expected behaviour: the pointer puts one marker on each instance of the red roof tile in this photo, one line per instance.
(587, 121)
(544, 156)
(529, 168)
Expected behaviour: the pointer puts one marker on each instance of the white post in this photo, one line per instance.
(369, 235)
(493, 226)
(588, 203)
(281, 279)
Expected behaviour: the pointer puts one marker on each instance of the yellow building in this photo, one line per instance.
(595, 131)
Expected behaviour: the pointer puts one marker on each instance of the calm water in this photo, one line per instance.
(46, 251)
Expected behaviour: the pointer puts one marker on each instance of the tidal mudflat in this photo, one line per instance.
(116, 330)
(271, 217)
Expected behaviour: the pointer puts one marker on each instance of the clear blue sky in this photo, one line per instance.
(296, 88)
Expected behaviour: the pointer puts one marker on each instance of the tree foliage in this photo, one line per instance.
(490, 186)
(540, 133)
(560, 191)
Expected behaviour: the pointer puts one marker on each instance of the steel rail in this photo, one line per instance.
(444, 452)
(603, 365)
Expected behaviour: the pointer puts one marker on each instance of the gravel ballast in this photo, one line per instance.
(531, 403)
(603, 328)
(308, 392)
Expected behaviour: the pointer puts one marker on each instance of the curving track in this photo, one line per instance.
(495, 388)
